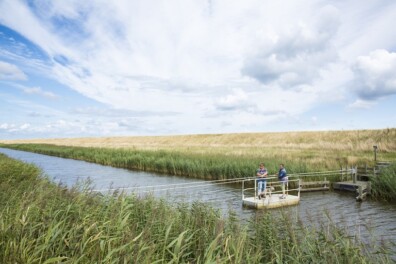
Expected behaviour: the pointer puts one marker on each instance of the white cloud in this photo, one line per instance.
(39, 91)
(10, 72)
(33, 90)
(375, 74)
(362, 104)
(314, 120)
(5, 126)
(236, 100)
(24, 126)
(295, 57)
(11, 128)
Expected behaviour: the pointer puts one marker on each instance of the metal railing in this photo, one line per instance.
(272, 184)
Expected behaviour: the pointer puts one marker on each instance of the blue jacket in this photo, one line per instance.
(282, 173)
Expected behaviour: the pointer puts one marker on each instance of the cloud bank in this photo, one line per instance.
(193, 66)
(375, 74)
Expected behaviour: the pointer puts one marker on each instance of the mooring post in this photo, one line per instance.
(375, 152)
(359, 198)
(369, 187)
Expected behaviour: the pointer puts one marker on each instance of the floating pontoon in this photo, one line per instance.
(274, 194)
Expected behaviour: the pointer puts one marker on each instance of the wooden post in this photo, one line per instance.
(359, 198)
(375, 152)
(369, 187)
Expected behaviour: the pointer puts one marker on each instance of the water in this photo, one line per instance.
(362, 219)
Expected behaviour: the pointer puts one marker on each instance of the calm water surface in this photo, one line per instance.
(373, 217)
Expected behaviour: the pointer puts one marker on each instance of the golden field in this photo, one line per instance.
(360, 140)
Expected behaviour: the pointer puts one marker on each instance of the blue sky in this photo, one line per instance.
(93, 68)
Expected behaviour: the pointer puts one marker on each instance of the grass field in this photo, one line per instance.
(41, 222)
(354, 141)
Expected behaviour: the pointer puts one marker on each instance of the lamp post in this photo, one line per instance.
(375, 152)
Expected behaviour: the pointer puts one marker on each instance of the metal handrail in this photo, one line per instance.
(273, 185)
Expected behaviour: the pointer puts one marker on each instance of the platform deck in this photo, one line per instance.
(272, 201)
(349, 185)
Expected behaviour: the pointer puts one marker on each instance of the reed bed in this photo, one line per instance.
(204, 166)
(384, 185)
(41, 222)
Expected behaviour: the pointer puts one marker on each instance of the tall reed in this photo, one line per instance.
(384, 185)
(41, 222)
(197, 165)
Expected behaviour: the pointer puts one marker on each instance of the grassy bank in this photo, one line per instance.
(41, 222)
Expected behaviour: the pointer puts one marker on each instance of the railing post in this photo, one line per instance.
(299, 187)
(347, 173)
(287, 188)
(243, 189)
(354, 173)
(342, 174)
(255, 190)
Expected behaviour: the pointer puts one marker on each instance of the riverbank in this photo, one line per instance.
(195, 165)
(51, 223)
(206, 156)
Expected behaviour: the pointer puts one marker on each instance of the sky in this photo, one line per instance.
(123, 68)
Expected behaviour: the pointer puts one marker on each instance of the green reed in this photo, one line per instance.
(41, 222)
(197, 165)
(384, 185)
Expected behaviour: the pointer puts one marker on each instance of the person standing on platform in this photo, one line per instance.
(282, 177)
(261, 174)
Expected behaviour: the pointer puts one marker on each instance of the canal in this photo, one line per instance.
(369, 219)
